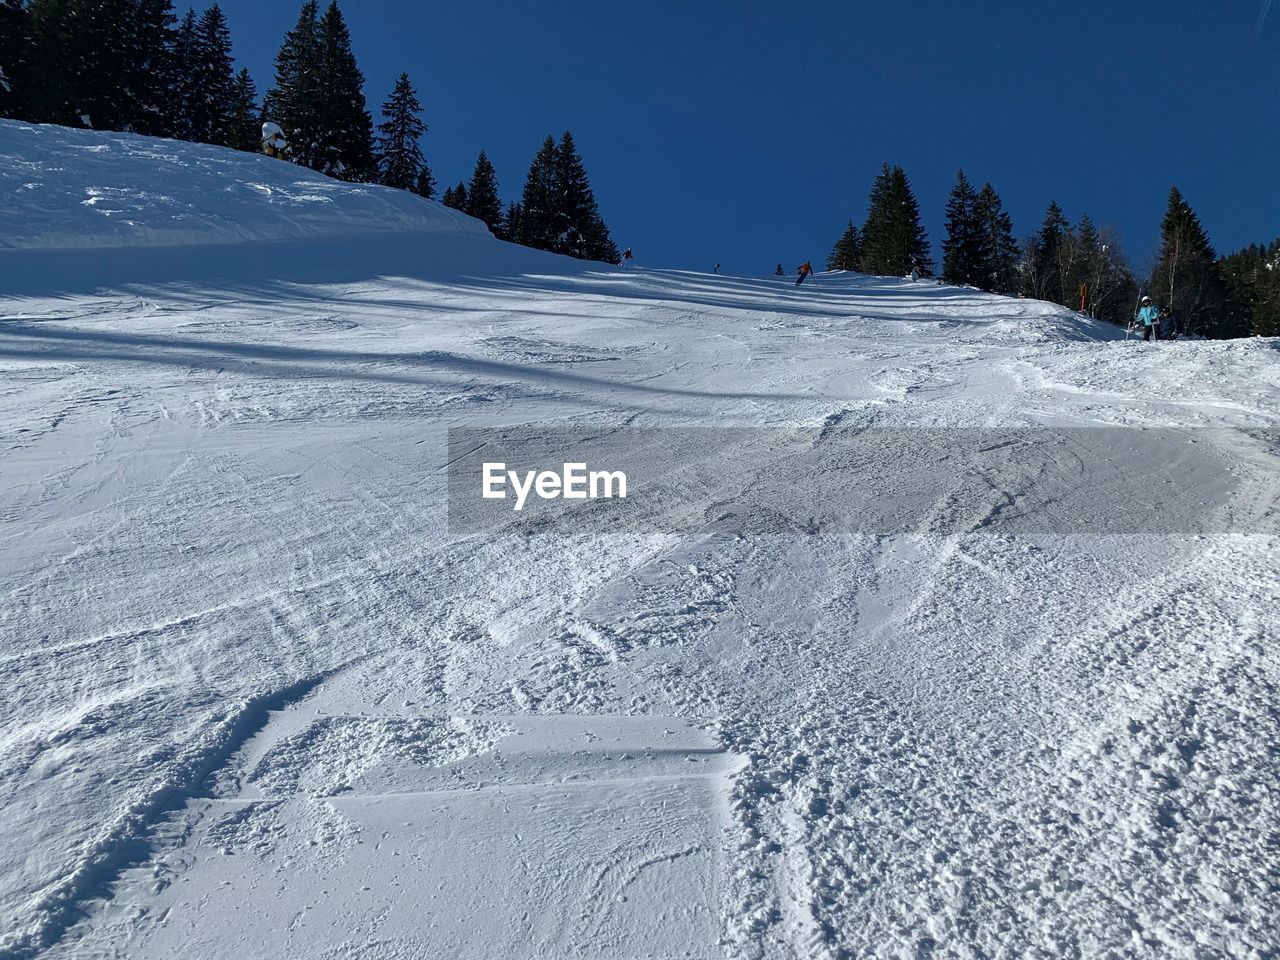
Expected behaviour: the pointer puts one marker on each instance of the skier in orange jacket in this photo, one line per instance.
(806, 268)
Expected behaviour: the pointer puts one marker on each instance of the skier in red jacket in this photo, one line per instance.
(806, 268)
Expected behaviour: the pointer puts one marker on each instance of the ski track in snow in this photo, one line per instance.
(258, 701)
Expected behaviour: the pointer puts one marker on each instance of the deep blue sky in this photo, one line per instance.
(746, 132)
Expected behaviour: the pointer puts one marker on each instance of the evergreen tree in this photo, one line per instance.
(50, 89)
(151, 76)
(1253, 282)
(295, 100)
(212, 105)
(184, 88)
(538, 201)
(79, 62)
(894, 241)
(400, 162)
(346, 148)
(482, 196)
(244, 132)
(456, 197)
(847, 252)
(1188, 279)
(581, 231)
(511, 221)
(15, 41)
(1048, 253)
(425, 185)
(998, 260)
(964, 247)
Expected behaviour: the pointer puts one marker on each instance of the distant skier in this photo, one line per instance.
(273, 142)
(1170, 328)
(626, 255)
(806, 268)
(716, 268)
(1149, 317)
(779, 272)
(915, 273)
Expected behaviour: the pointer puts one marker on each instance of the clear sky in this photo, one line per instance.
(747, 132)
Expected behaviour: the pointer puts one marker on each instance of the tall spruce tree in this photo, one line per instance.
(511, 221)
(581, 230)
(78, 72)
(294, 102)
(15, 48)
(1048, 252)
(244, 132)
(482, 196)
(999, 257)
(964, 247)
(49, 90)
(538, 201)
(425, 184)
(184, 91)
(212, 104)
(894, 241)
(456, 197)
(151, 67)
(1253, 283)
(847, 252)
(1188, 279)
(347, 148)
(400, 160)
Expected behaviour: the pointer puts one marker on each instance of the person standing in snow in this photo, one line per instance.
(716, 268)
(779, 272)
(1149, 317)
(806, 268)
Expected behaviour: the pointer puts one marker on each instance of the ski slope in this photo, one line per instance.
(262, 699)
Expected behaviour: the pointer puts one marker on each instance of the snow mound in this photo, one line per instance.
(63, 188)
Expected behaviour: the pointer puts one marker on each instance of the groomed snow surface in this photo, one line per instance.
(258, 701)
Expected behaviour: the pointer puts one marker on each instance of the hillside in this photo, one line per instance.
(935, 623)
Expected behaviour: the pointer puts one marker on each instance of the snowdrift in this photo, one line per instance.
(82, 189)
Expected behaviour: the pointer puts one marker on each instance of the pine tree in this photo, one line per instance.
(456, 197)
(538, 201)
(1253, 282)
(894, 241)
(295, 100)
(244, 131)
(184, 89)
(400, 162)
(847, 252)
(212, 104)
(511, 221)
(425, 184)
(581, 231)
(998, 260)
(482, 196)
(1188, 279)
(79, 62)
(1047, 254)
(964, 247)
(346, 152)
(15, 41)
(151, 77)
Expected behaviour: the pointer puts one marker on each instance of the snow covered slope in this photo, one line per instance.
(77, 188)
(258, 700)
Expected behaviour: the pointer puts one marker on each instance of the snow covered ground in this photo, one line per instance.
(259, 700)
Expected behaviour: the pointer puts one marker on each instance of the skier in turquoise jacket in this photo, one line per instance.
(1149, 317)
